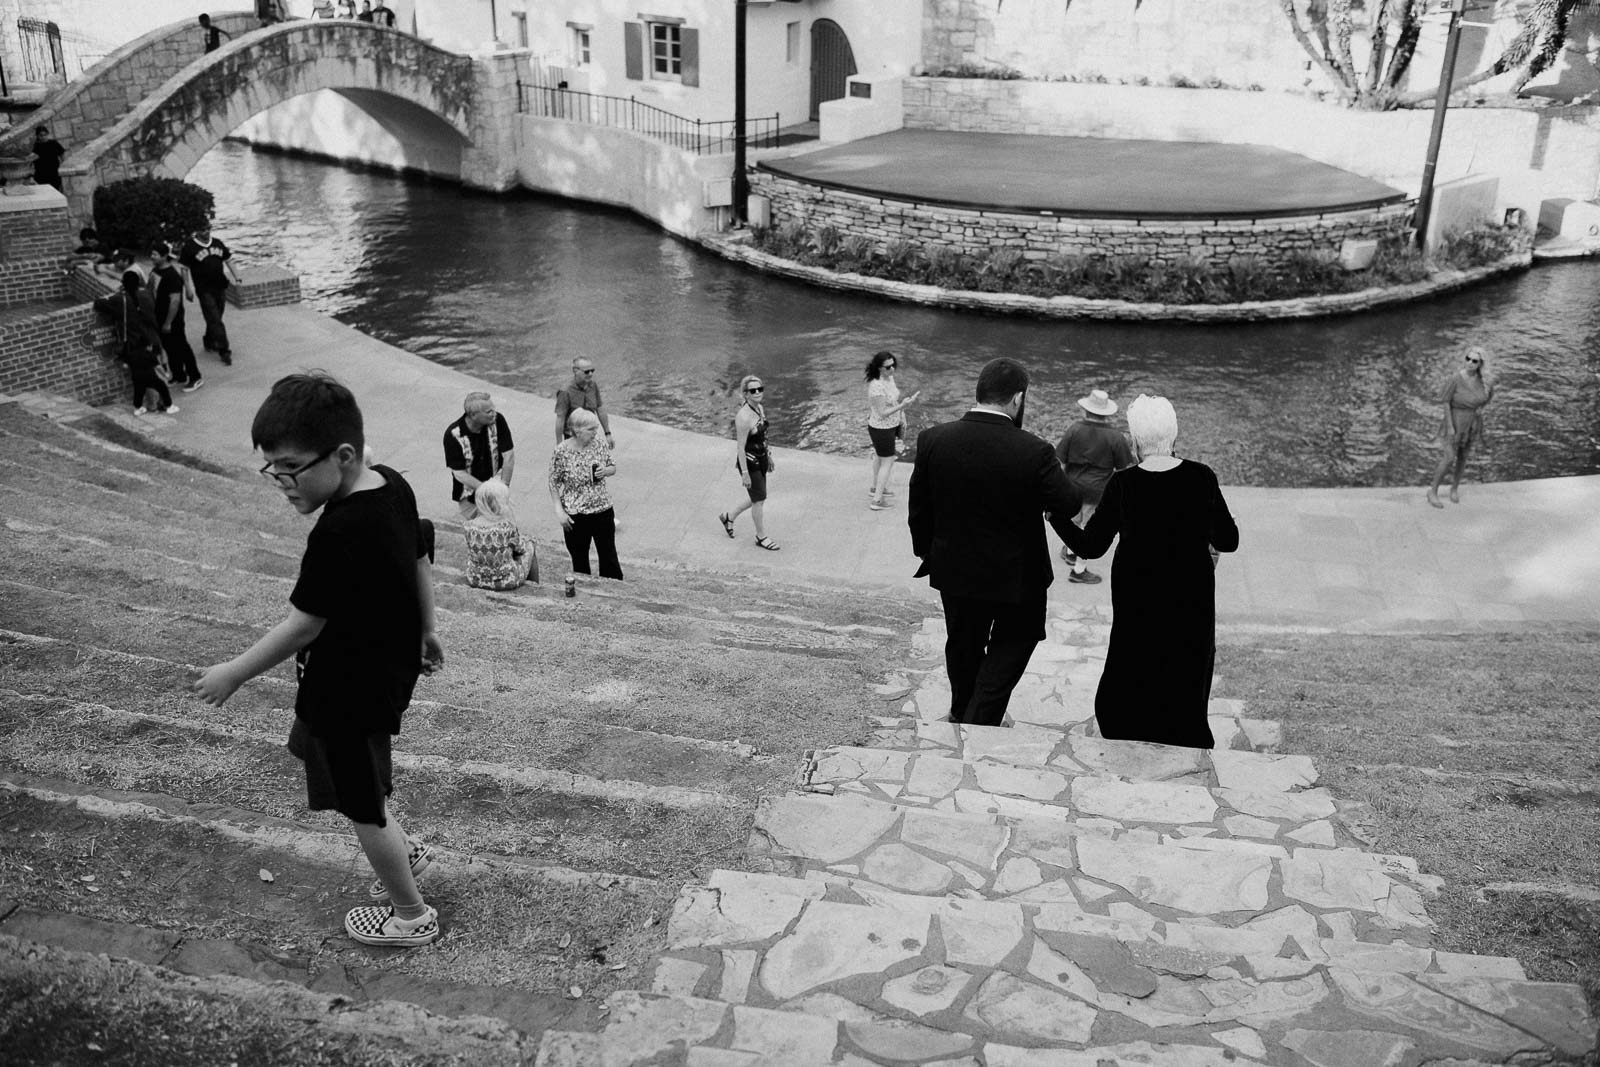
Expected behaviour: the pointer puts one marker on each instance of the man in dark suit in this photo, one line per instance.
(979, 492)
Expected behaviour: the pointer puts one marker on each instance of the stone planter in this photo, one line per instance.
(15, 171)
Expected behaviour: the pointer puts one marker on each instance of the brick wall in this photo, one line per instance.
(264, 286)
(978, 233)
(34, 239)
(67, 351)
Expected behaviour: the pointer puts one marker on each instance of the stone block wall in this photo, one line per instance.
(107, 90)
(1039, 237)
(264, 286)
(69, 351)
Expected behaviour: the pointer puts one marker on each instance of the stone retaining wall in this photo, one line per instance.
(1076, 307)
(978, 233)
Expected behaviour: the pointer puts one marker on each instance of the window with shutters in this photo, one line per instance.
(661, 48)
(666, 51)
(580, 45)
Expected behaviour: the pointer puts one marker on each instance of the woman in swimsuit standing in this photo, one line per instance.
(1469, 391)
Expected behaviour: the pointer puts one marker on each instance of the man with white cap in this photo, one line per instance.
(1090, 452)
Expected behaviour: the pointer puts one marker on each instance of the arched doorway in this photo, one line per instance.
(831, 63)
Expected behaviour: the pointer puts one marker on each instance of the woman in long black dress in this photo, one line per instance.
(1170, 515)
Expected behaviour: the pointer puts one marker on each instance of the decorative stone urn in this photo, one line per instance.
(15, 172)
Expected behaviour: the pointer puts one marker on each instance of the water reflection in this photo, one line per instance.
(512, 288)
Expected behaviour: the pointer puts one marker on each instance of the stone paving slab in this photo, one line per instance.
(1094, 803)
(1238, 733)
(1289, 933)
(1039, 746)
(1057, 996)
(1137, 876)
(1011, 979)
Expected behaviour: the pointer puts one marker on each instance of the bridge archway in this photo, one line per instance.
(167, 133)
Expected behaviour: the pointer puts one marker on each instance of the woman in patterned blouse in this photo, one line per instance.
(578, 472)
(499, 556)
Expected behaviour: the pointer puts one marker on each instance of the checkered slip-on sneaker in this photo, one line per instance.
(421, 857)
(381, 926)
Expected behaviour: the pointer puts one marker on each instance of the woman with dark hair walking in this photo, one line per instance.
(886, 423)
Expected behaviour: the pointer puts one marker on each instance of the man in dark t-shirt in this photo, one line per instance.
(170, 290)
(1090, 452)
(47, 156)
(477, 447)
(209, 269)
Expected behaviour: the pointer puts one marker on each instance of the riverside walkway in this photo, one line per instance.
(1510, 556)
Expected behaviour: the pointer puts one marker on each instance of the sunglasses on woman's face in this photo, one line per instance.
(1471, 360)
(756, 389)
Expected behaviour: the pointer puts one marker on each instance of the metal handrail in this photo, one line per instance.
(699, 136)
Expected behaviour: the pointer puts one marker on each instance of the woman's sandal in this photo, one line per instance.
(727, 523)
(767, 543)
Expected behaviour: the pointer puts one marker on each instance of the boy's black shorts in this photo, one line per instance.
(352, 776)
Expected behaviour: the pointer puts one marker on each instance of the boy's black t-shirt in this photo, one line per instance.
(359, 574)
(205, 263)
(169, 287)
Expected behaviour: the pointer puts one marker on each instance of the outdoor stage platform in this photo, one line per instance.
(1087, 176)
(1164, 200)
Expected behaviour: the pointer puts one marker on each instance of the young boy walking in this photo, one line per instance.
(361, 628)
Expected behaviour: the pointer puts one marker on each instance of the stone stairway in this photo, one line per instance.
(1036, 896)
(576, 763)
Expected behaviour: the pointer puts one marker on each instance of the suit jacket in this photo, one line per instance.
(978, 491)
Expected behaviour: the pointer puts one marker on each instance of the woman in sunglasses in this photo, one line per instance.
(752, 458)
(1465, 397)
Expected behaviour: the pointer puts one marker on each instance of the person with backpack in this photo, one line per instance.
(133, 311)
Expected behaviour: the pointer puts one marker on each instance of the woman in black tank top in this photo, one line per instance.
(751, 458)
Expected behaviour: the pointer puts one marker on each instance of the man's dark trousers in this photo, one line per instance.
(213, 302)
(986, 649)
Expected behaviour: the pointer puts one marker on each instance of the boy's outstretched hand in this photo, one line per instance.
(217, 683)
(432, 653)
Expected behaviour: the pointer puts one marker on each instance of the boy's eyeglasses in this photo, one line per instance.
(290, 479)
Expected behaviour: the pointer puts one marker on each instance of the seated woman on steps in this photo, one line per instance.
(499, 555)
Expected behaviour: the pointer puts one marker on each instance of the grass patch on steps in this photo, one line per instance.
(70, 1009)
(1479, 754)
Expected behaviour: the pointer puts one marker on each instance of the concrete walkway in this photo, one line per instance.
(1511, 555)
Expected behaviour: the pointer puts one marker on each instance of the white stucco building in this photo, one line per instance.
(678, 55)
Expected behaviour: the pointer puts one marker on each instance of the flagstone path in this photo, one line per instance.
(1034, 895)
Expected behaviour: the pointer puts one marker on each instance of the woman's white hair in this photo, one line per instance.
(580, 418)
(493, 498)
(1153, 424)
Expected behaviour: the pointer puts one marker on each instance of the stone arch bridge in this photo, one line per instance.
(158, 104)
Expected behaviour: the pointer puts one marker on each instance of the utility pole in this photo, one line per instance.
(1441, 102)
(741, 183)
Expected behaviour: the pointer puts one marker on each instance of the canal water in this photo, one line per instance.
(511, 288)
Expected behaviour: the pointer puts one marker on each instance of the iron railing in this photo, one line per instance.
(627, 113)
